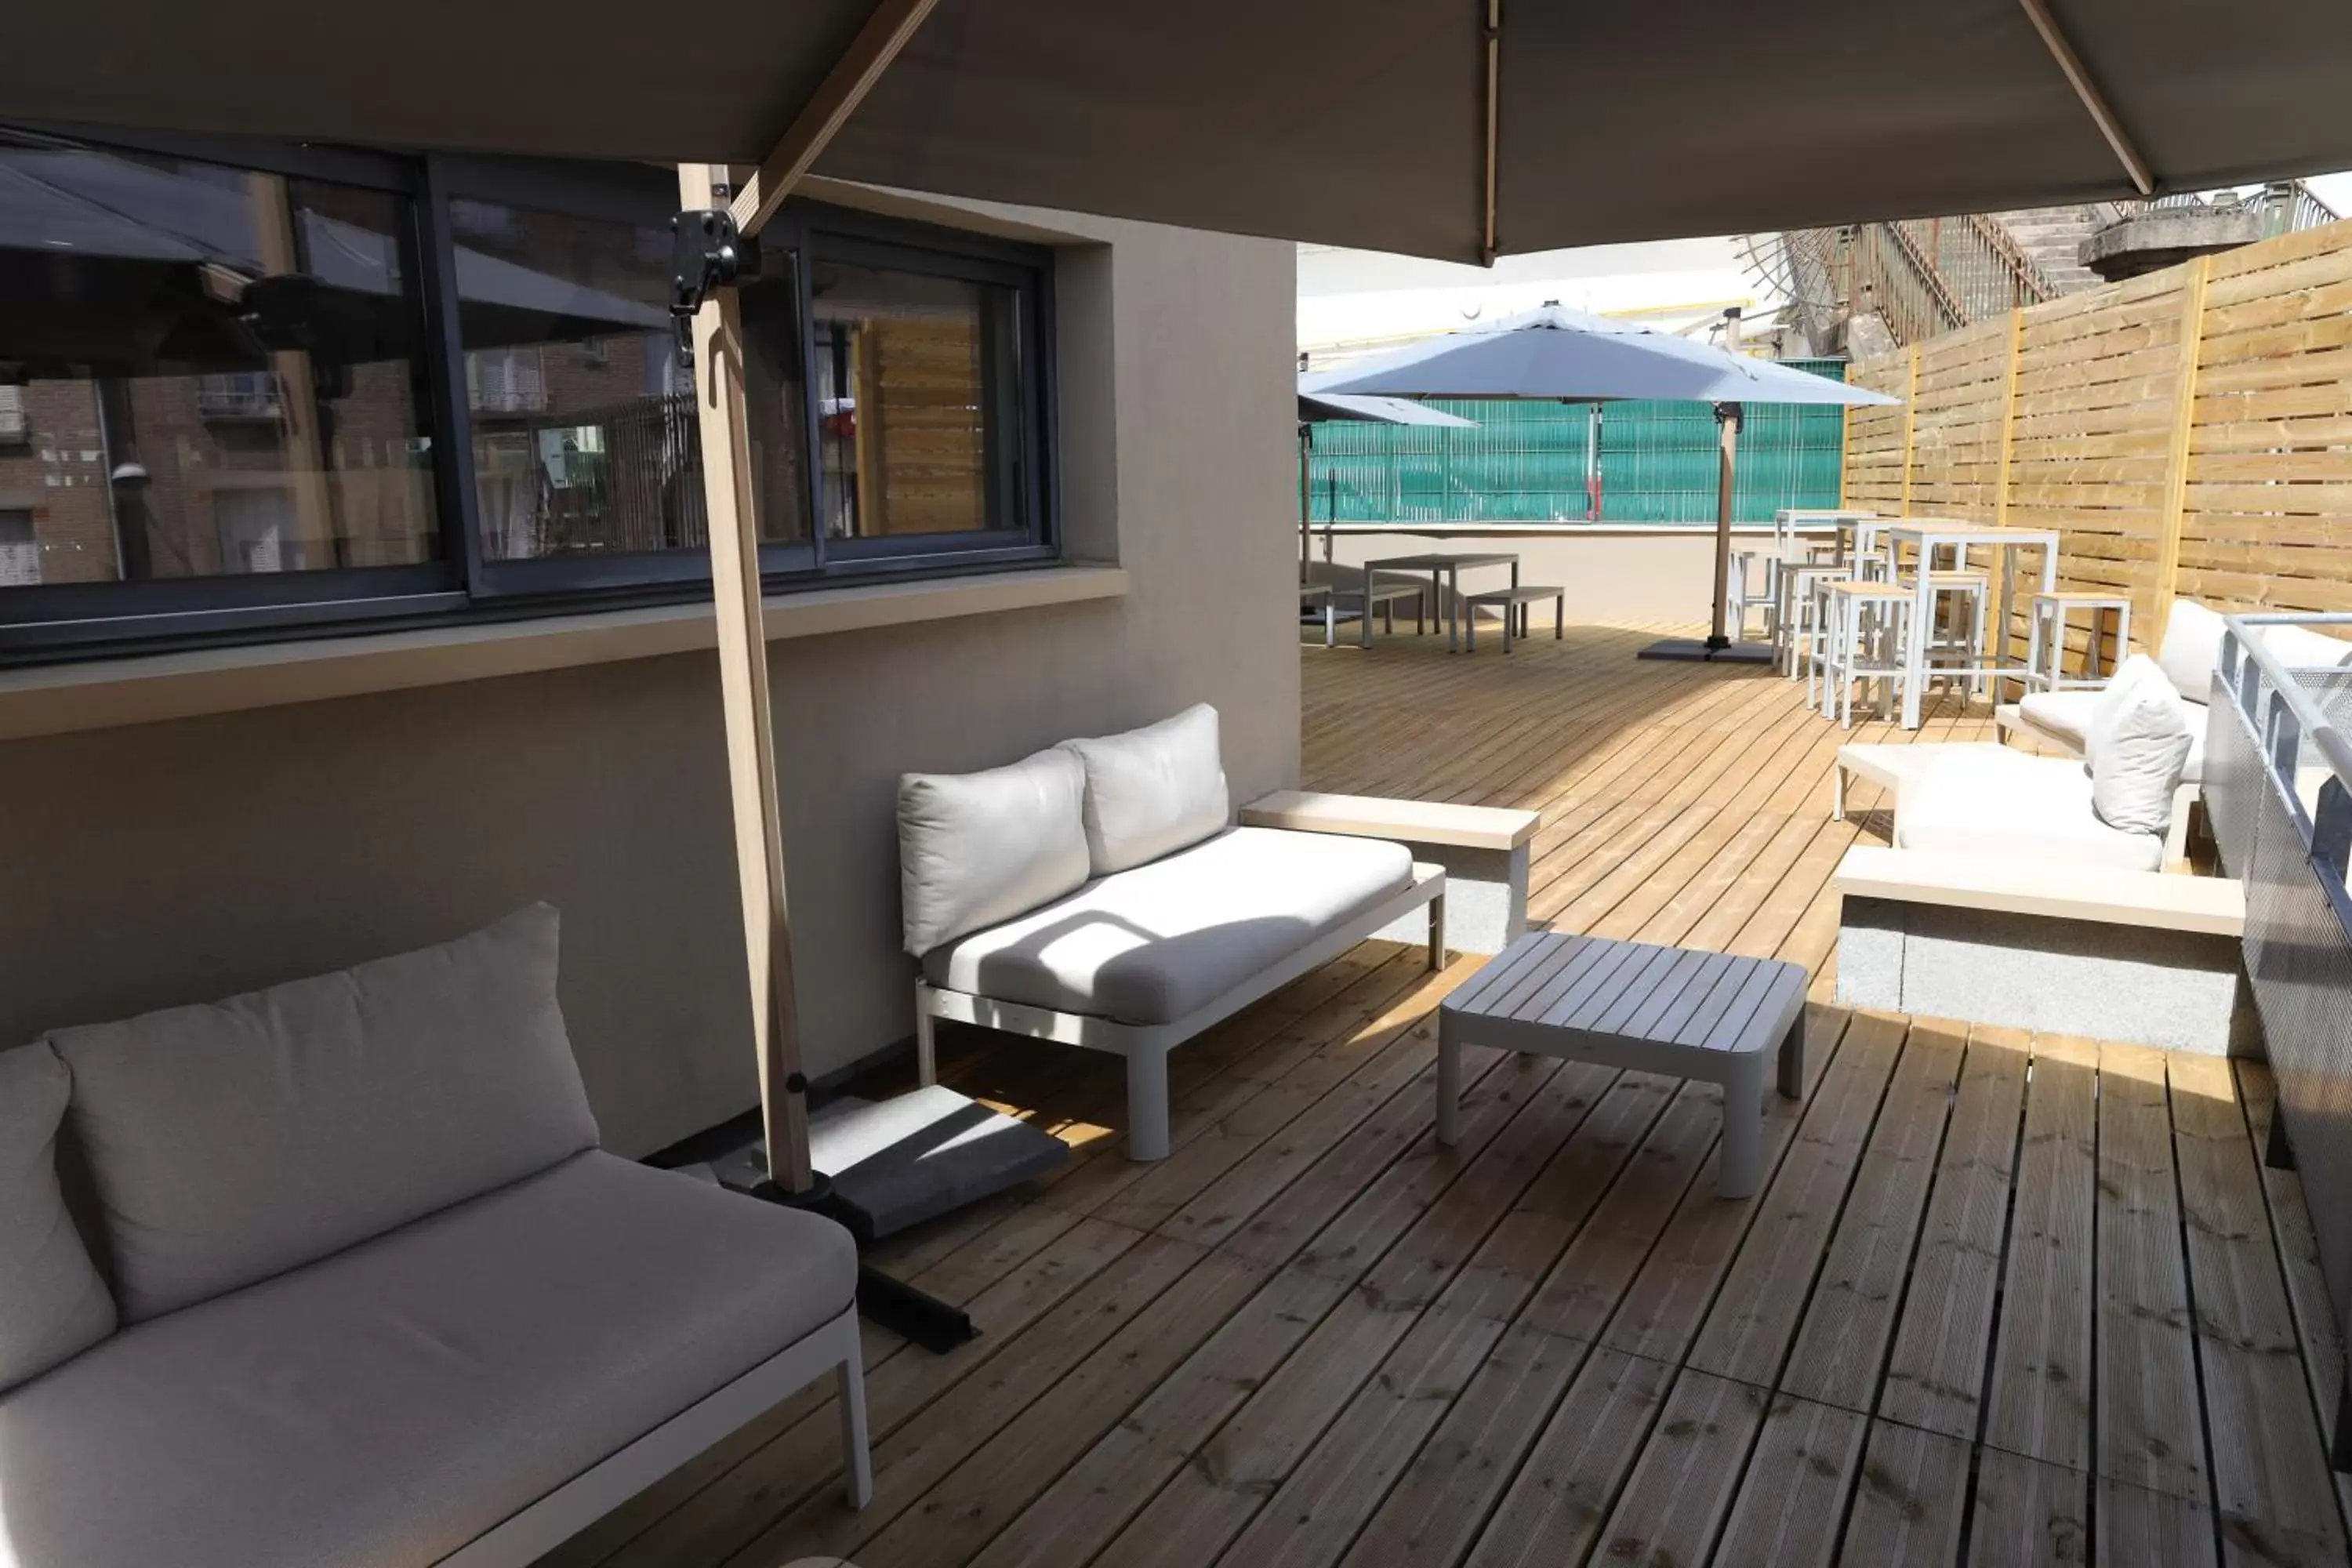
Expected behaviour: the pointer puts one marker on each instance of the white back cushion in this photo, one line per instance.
(2303, 647)
(2137, 745)
(53, 1305)
(2191, 650)
(977, 850)
(1153, 791)
(238, 1140)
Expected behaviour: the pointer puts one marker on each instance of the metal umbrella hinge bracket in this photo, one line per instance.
(706, 251)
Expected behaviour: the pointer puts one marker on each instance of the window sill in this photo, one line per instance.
(61, 699)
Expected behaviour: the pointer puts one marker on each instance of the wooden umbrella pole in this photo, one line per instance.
(729, 505)
(1726, 421)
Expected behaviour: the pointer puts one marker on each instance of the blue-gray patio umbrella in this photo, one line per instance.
(1315, 410)
(1566, 355)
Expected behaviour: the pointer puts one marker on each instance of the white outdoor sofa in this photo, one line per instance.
(1098, 895)
(2015, 892)
(346, 1282)
(2055, 723)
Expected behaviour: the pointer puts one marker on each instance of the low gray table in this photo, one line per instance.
(1705, 1016)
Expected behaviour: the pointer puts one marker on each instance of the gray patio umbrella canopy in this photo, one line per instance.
(1361, 123)
(1333, 408)
(1556, 354)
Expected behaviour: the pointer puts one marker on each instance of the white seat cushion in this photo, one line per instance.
(1152, 944)
(2065, 717)
(385, 1407)
(1992, 801)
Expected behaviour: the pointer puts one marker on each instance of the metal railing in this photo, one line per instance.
(2284, 207)
(2278, 793)
(1923, 276)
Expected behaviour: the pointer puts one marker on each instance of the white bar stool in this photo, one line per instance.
(1864, 641)
(2046, 636)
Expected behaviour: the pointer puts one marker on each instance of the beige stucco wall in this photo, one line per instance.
(153, 864)
(1611, 575)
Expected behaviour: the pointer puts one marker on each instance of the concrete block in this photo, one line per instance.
(2178, 990)
(1485, 898)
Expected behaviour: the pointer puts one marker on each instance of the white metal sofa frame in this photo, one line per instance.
(525, 1537)
(1146, 1045)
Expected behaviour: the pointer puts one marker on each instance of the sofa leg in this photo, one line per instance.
(1437, 933)
(1147, 1105)
(927, 1061)
(857, 1462)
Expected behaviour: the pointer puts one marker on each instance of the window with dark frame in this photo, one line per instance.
(253, 392)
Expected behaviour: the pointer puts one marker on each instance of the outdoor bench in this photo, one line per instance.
(355, 1285)
(1096, 894)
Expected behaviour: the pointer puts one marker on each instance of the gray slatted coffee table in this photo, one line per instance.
(1705, 1016)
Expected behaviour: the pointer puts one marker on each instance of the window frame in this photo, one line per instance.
(53, 617)
(821, 233)
(51, 622)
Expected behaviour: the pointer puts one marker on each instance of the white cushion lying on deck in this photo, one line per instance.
(2067, 716)
(1152, 944)
(1991, 801)
(383, 1407)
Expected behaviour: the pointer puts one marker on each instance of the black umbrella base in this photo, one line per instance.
(1696, 650)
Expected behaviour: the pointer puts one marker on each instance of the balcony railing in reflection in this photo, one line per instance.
(601, 481)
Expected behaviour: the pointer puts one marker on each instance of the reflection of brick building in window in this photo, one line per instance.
(585, 439)
(54, 472)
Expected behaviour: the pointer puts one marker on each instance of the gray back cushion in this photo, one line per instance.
(53, 1306)
(231, 1142)
(1153, 791)
(976, 849)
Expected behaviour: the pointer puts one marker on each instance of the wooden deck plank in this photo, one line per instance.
(1434, 1511)
(1681, 1488)
(1209, 1501)
(1198, 1360)
(1841, 1349)
(2150, 1428)
(2040, 1394)
(1553, 1512)
(1745, 1335)
(2270, 1457)
(2028, 1514)
(1935, 1377)
(1793, 1497)
(1910, 1500)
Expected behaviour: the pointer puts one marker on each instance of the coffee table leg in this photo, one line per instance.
(1792, 1060)
(1740, 1157)
(1449, 1083)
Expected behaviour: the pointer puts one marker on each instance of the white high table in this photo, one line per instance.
(1926, 536)
(1450, 567)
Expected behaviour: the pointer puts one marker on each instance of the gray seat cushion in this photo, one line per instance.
(1152, 944)
(386, 1405)
(232, 1141)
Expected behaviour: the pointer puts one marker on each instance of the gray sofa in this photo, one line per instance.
(337, 1277)
(1098, 895)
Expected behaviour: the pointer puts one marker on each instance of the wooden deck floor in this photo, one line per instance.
(2001, 1300)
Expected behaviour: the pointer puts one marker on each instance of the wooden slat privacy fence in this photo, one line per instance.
(2189, 432)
